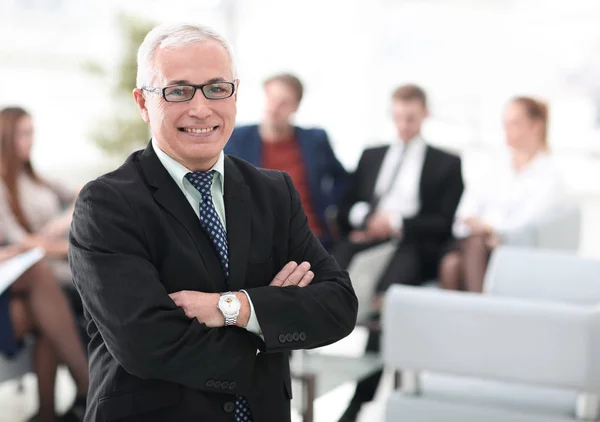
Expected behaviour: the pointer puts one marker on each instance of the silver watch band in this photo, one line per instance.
(230, 321)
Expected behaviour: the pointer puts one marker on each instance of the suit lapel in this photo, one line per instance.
(304, 143)
(427, 171)
(376, 163)
(237, 212)
(254, 148)
(169, 196)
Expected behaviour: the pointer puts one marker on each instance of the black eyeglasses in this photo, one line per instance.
(179, 93)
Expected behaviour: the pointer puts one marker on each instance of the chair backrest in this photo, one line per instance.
(560, 229)
(365, 270)
(500, 338)
(543, 274)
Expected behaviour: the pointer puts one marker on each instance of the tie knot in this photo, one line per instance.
(201, 180)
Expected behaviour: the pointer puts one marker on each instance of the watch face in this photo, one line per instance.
(229, 305)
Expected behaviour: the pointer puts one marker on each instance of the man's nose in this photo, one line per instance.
(199, 106)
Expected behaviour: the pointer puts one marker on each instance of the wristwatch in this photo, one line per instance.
(229, 305)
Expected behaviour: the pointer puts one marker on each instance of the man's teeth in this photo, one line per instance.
(205, 130)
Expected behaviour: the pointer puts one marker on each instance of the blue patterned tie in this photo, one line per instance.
(211, 223)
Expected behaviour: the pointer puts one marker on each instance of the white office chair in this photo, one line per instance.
(527, 350)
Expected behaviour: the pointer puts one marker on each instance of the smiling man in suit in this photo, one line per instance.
(187, 260)
(408, 191)
(305, 154)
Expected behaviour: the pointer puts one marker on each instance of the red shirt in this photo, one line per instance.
(286, 156)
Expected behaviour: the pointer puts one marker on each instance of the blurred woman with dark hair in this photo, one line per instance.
(33, 211)
(533, 190)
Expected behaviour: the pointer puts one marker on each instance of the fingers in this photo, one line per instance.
(282, 275)
(307, 279)
(293, 274)
(297, 275)
(358, 236)
(179, 298)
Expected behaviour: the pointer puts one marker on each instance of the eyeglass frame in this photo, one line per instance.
(162, 91)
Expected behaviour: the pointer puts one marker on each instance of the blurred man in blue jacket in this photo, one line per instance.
(305, 154)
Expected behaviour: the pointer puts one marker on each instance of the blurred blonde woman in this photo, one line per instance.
(532, 189)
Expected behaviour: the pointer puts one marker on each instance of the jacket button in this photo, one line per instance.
(210, 383)
(224, 385)
(302, 336)
(296, 336)
(228, 407)
(289, 337)
(282, 338)
(217, 384)
(232, 385)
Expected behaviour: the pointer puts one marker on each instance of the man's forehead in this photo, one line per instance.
(412, 104)
(193, 64)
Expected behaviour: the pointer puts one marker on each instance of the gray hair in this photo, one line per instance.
(174, 35)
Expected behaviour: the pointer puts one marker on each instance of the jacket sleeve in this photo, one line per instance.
(337, 171)
(232, 147)
(439, 224)
(351, 196)
(140, 325)
(312, 316)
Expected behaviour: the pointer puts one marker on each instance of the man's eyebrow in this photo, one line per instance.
(186, 82)
(179, 82)
(213, 80)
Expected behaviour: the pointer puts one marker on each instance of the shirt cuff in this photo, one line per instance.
(460, 230)
(253, 326)
(396, 221)
(358, 212)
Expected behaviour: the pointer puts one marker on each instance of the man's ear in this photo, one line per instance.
(140, 100)
(237, 86)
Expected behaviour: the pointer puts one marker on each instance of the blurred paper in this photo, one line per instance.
(12, 269)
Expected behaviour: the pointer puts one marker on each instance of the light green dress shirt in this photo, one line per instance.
(178, 172)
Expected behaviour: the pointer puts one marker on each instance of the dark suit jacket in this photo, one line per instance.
(327, 177)
(440, 189)
(135, 239)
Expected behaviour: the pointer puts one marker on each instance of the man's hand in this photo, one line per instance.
(359, 236)
(477, 226)
(200, 305)
(293, 274)
(379, 226)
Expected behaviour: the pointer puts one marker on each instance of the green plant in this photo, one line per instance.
(123, 130)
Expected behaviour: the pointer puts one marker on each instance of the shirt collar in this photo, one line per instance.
(177, 171)
(415, 142)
